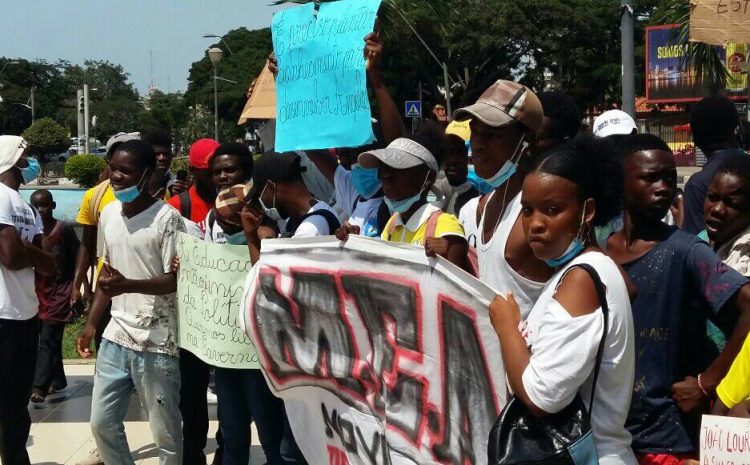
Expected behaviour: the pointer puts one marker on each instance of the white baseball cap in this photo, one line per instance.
(614, 122)
(400, 154)
(11, 149)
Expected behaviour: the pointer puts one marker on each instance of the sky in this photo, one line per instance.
(126, 32)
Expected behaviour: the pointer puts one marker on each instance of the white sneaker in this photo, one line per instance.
(93, 459)
(211, 397)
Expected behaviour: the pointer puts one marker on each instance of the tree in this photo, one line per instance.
(249, 52)
(708, 64)
(46, 137)
(84, 169)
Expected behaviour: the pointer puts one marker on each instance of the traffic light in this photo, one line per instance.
(80, 104)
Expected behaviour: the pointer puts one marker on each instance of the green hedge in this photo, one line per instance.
(84, 169)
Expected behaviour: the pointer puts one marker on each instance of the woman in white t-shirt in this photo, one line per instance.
(552, 357)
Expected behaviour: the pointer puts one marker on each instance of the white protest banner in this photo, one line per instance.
(725, 441)
(719, 22)
(321, 87)
(381, 354)
(210, 286)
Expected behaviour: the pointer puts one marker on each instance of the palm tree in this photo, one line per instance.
(705, 58)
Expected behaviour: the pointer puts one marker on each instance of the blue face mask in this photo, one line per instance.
(576, 247)
(365, 180)
(129, 194)
(403, 205)
(509, 167)
(237, 239)
(31, 171)
(572, 252)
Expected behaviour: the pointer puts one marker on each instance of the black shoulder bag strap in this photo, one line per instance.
(602, 293)
(185, 204)
(329, 216)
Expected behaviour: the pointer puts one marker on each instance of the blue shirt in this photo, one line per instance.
(680, 283)
(697, 187)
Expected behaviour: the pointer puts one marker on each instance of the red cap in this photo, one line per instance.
(201, 152)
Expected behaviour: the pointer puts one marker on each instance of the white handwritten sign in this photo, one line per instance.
(725, 441)
(210, 286)
(719, 22)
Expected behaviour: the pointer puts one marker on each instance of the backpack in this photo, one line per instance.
(96, 199)
(330, 217)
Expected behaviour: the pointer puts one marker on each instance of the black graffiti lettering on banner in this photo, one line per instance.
(387, 309)
(312, 316)
(471, 408)
(351, 437)
(306, 322)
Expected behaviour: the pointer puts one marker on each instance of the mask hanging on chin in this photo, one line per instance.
(509, 167)
(403, 205)
(273, 212)
(574, 249)
(129, 194)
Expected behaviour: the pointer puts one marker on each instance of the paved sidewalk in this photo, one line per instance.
(60, 432)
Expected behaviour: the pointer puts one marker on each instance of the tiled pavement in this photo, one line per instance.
(60, 432)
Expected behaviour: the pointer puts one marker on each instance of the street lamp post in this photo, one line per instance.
(216, 36)
(215, 54)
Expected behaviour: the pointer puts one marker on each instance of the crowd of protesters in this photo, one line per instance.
(551, 199)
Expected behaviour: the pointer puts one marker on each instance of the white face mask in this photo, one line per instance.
(273, 212)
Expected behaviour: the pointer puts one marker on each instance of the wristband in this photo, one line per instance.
(700, 385)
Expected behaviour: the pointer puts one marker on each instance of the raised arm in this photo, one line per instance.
(390, 119)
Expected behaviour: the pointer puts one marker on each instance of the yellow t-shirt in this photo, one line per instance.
(415, 229)
(735, 387)
(85, 214)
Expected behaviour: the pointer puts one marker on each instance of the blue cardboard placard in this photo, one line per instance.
(321, 88)
(413, 109)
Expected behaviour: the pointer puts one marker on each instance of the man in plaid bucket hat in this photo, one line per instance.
(504, 123)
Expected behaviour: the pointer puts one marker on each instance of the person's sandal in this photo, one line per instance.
(37, 398)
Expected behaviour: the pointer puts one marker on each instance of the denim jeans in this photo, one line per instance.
(244, 397)
(156, 377)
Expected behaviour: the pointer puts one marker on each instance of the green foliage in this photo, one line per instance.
(179, 163)
(46, 137)
(84, 169)
(570, 44)
(249, 52)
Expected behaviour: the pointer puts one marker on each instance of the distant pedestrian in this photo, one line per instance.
(54, 298)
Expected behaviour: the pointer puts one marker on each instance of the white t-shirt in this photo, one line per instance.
(315, 225)
(142, 247)
(563, 353)
(468, 219)
(494, 269)
(358, 211)
(18, 299)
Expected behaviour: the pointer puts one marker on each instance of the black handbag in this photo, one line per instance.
(562, 438)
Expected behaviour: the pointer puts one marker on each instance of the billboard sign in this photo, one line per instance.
(670, 77)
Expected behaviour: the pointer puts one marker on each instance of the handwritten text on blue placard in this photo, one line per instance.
(321, 88)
